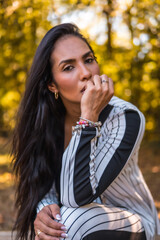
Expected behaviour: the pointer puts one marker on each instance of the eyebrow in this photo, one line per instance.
(73, 60)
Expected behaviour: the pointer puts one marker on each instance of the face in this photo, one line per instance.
(73, 65)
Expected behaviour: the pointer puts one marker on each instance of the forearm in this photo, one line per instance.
(76, 163)
(88, 169)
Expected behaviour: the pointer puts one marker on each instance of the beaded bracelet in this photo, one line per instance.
(86, 123)
(90, 123)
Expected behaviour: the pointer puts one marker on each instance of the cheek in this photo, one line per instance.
(65, 82)
(96, 70)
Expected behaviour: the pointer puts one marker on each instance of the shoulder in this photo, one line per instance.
(122, 105)
(118, 108)
(123, 118)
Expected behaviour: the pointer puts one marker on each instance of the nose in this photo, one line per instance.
(85, 72)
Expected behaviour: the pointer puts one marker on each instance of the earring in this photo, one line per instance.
(56, 95)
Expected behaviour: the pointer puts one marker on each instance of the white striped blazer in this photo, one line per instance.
(105, 168)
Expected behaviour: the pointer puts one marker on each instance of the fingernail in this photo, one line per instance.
(58, 217)
(64, 228)
(64, 235)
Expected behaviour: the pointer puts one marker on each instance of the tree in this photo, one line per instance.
(129, 54)
(22, 25)
(133, 64)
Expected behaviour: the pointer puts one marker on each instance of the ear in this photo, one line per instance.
(52, 87)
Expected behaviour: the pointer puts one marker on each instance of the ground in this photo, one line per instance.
(149, 162)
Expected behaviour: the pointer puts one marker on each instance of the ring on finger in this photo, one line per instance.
(38, 232)
(105, 81)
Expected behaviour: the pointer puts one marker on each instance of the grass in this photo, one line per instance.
(149, 162)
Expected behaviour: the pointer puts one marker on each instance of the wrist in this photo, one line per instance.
(84, 122)
(89, 116)
(87, 123)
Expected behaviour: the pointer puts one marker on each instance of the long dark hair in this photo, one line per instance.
(39, 133)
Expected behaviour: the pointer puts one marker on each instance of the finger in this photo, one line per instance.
(51, 231)
(111, 83)
(111, 86)
(50, 224)
(90, 83)
(56, 229)
(109, 90)
(45, 236)
(55, 210)
(105, 83)
(36, 237)
(105, 79)
(97, 82)
(89, 86)
(107, 86)
(46, 219)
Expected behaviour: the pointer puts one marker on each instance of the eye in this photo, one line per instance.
(68, 68)
(89, 60)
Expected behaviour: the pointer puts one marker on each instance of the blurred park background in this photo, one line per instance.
(125, 35)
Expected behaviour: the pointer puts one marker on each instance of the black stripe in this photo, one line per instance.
(74, 209)
(136, 202)
(105, 113)
(115, 235)
(141, 229)
(62, 213)
(128, 225)
(118, 198)
(140, 188)
(110, 143)
(88, 210)
(129, 194)
(123, 152)
(106, 213)
(100, 224)
(82, 186)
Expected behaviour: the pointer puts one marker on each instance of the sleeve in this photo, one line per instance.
(49, 198)
(89, 168)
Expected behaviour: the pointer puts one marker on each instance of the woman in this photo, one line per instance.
(90, 170)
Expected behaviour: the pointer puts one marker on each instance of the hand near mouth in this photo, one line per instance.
(83, 89)
(96, 95)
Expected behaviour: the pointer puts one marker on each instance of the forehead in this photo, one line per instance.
(69, 47)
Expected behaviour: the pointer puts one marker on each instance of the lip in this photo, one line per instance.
(83, 89)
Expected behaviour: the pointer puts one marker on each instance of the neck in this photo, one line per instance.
(73, 113)
(72, 118)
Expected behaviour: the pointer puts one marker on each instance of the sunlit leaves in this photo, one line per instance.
(22, 26)
(131, 59)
